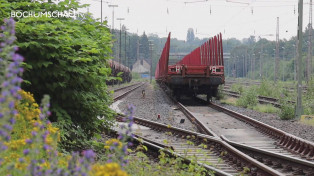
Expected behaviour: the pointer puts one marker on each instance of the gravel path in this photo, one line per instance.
(155, 102)
(290, 126)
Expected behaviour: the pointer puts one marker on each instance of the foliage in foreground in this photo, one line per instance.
(28, 141)
(66, 58)
(279, 91)
(248, 99)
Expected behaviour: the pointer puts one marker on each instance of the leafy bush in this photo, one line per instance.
(308, 98)
(136, 76)
(286, 109)
(220, 94)
(66, 58)
(237, 88)
(266, 108)
(248, 99)
(28, 140)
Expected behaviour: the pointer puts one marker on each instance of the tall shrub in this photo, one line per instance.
(66, 58)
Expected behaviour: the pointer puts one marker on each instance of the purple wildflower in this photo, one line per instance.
(34, 133)
(26, 152)
(46, 147)
(8, 127)
(89, 155)
(4, 147)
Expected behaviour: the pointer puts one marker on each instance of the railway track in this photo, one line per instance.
(283, 152)
(123, 91)
(261, 99)
(270, 147)
(291, 87)
(155, 147)
(209, 151)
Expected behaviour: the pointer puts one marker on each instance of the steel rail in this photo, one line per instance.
(201, 127)
(158, 147)
(231, 155)
(155, 146)
(261, 99)
(127, 92)
(121, 88)
(287, 141)
(275, 159)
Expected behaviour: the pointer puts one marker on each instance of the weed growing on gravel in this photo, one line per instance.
(308, 98)
(229, 100)
(220, 94)
(286, 109)
(269, 89)
(266, 108)
(248, 99)
(237, 88)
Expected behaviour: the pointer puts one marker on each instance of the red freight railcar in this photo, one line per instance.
(116, 68)
(200, 72)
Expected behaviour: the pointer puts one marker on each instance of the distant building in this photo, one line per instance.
(141, 67)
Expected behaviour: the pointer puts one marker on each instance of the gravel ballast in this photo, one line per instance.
(290, 126)
(155, 102)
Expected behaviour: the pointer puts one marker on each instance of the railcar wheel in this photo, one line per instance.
(208, 97)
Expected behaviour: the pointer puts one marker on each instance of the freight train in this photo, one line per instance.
(116, 68)
(200, 72)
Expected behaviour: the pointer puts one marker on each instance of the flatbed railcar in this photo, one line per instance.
(116, 68)
(200, 72)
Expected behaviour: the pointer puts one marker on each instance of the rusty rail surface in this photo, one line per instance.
(229, 153)
(285, 140)
(127, 92)
(276, 160)
(261, 99)
(158, 147)
(121, 88)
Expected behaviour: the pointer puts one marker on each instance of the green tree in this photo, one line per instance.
(190, 35)
(66, 58)
(144, 46)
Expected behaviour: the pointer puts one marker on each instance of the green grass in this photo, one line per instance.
(307, 120)
(266, 108)
(229, 101)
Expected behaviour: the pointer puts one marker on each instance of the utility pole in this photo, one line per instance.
(283, 65)
(151, 60)
(113, 6)
(246, 63)
(129, 53)
(125, 61)
(234, 67)
(277, 52)
(299, 109)
(253, 67)
(294, 63)
(120, 42)
(138, 50)
(261, 63)
(243, 69)
(101, 11)
(309, 54)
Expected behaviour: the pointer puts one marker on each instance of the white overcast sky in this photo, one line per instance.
(233, 18)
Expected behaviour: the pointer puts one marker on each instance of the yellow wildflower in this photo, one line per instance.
(52, 129)
(113, 142)
(45, 165)
(109, 169)
(49, 140)
(15, 144)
